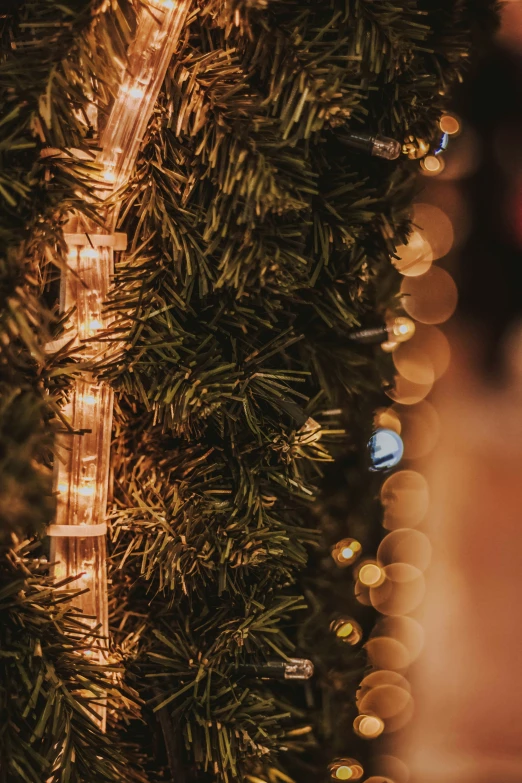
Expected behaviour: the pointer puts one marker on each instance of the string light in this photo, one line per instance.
(432, 165)
(368, 726)
(346, 769)
(346, 552)
(449, 124)
(347, 630)
(371, 574)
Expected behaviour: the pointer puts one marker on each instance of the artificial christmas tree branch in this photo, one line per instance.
(258, 242)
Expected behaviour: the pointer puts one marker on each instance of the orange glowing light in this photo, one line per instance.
(435, 226)
(430, 298)
(368, 726)
(449, 124)
(347, 630)
(386, 418)
(346, 552)
(401, 592)
(405, 497)
(420, 429)
(371, 575)
(415, 257)
(407, 392)
(432, 165)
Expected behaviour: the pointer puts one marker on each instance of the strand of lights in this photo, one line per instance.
(82, 456)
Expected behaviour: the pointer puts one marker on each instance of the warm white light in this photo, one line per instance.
(95, 324)
(109, 175)
(136, 92)
(89, 253)
(62, 487)
(89, 399)
(86, 491)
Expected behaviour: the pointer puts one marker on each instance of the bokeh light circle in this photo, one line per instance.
(405, 498)
(420, 428)
(430, 298)
(406, 630)
(415, 257)
(405, 545)
(402, 591)
(407, 392)
(424, 358)
(435, 226)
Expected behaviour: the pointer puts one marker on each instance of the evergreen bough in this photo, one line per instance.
(258, 240)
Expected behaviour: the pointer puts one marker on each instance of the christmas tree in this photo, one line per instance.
(267, 198)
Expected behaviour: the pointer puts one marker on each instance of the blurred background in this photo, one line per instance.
(449, 644)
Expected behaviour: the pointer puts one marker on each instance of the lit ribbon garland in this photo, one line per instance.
(78, 541)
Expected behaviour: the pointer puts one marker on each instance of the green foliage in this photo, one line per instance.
(49, 688)
(259, 240)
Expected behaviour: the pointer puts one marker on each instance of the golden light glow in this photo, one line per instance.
(387, 418)
(346, 769)
(405, 630)
(407, 392)
(368, 726)
(88, 253)
(348, 630)
(392, 768)
(431, 298)
(415, 257)
(109, 175)
(401, 592)
(401, 329)
(435, 226)
(83, 451)
(421, 429)
(405, 546)
(346, 552)
(381, 677)
(389, 346)
(387, 653)
(379, 779)
(432, 165)
(405, 498)
(426, 357)
(449, 124)
(386, 701)
(371, 574)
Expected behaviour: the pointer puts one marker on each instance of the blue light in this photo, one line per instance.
(386, 449)
(443, 144)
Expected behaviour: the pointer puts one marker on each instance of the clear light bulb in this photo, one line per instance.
(346, 551)
(368, 726)
(347, 630)
(400, 329)
(346, 769)
(298, 669)
(371, 574)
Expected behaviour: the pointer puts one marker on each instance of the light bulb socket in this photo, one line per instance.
(373, 144)
(291, 669)
(376, 334)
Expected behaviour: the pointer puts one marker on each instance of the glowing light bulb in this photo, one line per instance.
(86, 491)
(109, 175)
(346, 552)
(95, 324)
(168, 4)
(368, 726)
(401, 329)
(371, 575)
(449, 124)
(89, 399)
(89, 253)
(431, 165)
(63, 487)
(347, 630)
(389, 346)
(346, 769)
